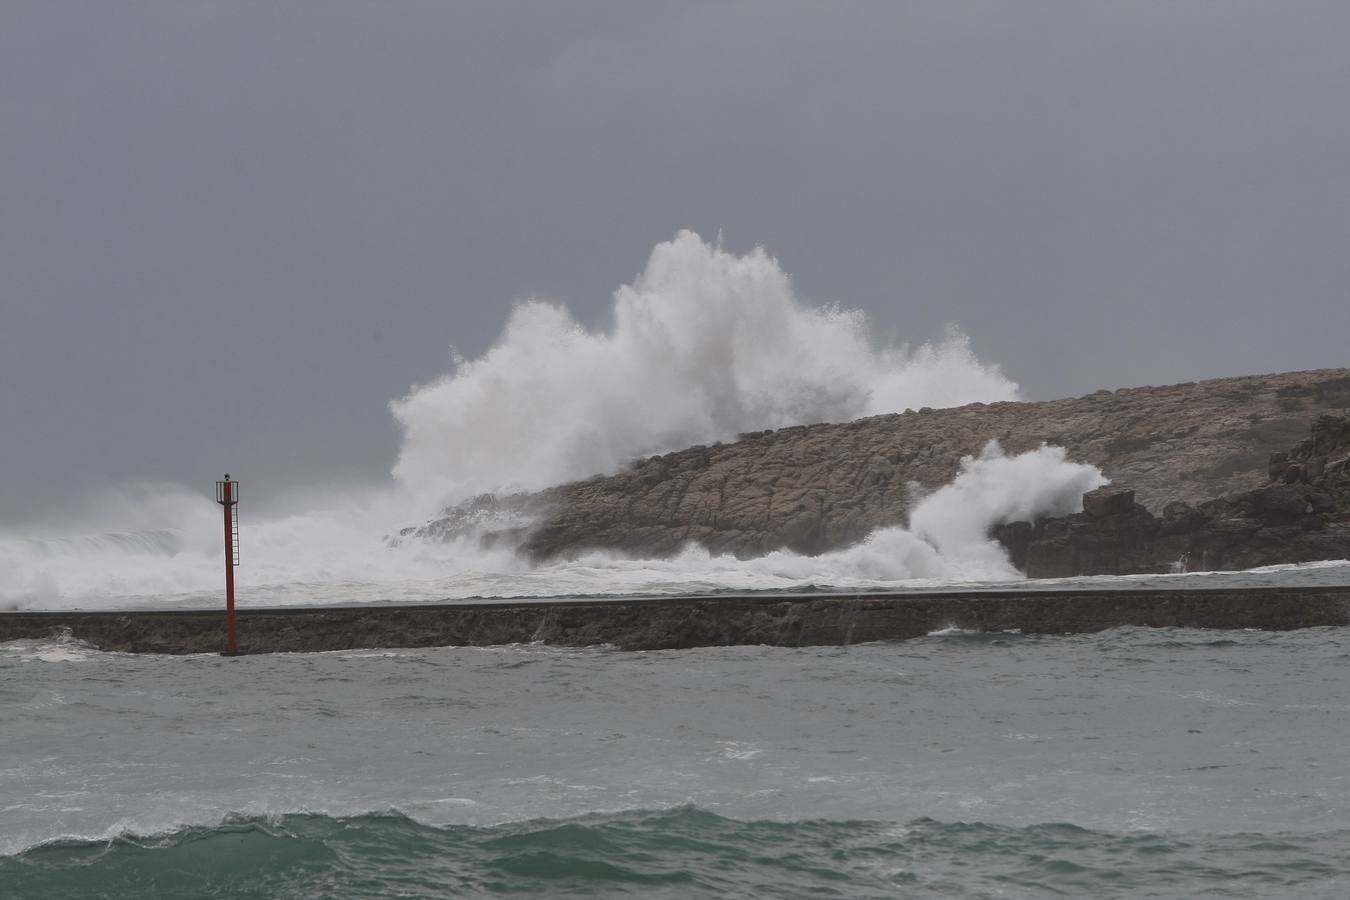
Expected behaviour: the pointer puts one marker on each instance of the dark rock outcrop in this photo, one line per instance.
(1301, 514)
(820, 487)
(491, 518)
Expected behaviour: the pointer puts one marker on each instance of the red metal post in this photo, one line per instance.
(227, 501)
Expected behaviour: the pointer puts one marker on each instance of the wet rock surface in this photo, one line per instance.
(1301, 514)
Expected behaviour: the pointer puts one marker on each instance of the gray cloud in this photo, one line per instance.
(230, 233)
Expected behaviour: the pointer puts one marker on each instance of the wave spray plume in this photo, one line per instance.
(704, 345)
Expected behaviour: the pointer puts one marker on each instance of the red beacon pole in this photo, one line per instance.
(227, 495)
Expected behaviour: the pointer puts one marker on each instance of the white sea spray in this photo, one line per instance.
(703, 345)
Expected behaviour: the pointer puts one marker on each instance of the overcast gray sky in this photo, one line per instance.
(230, 233)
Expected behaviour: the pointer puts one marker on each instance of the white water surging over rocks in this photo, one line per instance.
(319, 557)
(948, 535)
(704, 345)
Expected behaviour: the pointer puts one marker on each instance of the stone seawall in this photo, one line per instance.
(680, 622)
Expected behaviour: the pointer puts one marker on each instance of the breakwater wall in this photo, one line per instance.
(679, 622)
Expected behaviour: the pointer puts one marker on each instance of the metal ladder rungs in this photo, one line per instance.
(234, 533)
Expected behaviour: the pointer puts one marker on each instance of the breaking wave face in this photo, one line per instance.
(704, 345)
(682, 852)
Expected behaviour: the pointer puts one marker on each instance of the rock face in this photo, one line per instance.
(820, 487)
(1301, 514)
(492, 518)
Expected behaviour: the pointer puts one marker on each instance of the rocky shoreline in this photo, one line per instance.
(1301, 514)
(816, 488)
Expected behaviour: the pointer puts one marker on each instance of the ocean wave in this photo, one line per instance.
(681, 852)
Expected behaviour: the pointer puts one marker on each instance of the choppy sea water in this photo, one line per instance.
(1131, 763)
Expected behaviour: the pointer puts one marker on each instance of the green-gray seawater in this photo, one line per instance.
(678, 853)
(1132, 763)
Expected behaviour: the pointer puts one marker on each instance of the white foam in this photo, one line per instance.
(703, 345)
(952, 631)
(323, 557)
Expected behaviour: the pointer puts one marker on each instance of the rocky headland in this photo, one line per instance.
(1301, 514)
(1175, 449)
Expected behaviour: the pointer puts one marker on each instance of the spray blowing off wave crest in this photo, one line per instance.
(704, 345)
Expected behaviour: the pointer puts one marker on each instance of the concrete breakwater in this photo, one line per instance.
(682, 622)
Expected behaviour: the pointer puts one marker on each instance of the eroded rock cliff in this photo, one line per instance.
(819, 487)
